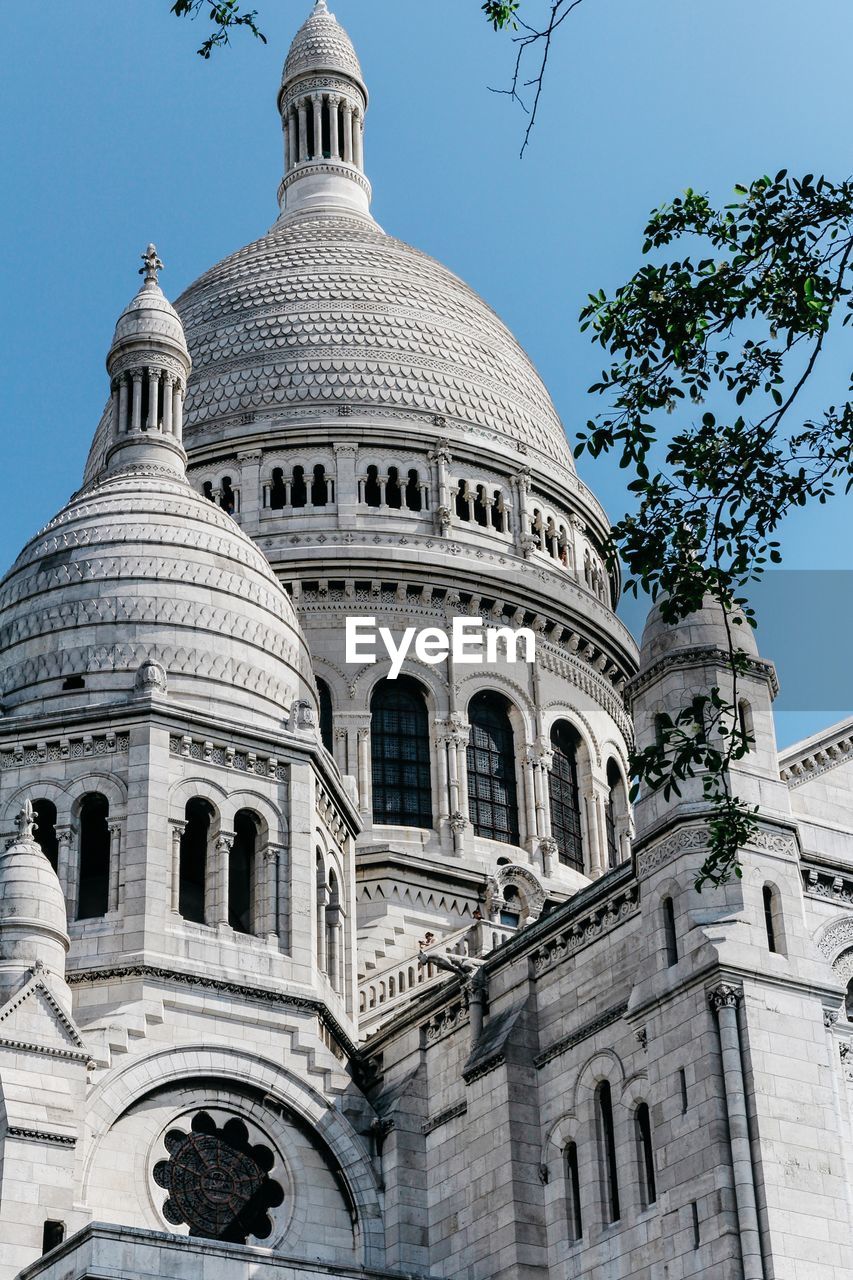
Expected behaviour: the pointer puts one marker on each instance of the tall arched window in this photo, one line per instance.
(241, 872)
(393, 489)
(93, 895)
(333, 933)
(670, 935)
(414, 499)
(45, 832)
(565, 795)
(326, 715)
(399, 735)
(372, 488)
(319, 487)
(645, 1155)
(614, 810)
(492, 793)
(607, 1152)
(573, 1191)
(192, 871)
(278, 490)
(298, 488)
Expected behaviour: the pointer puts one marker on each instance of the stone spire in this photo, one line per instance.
(33, 926)
(322, 101)
(148, 364)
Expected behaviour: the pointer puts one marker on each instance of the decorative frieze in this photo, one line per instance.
(585, 928)
(445, 1022)
(48, 751)
(228, 757)
(823, 882)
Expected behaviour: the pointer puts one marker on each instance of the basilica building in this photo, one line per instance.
(313, 967)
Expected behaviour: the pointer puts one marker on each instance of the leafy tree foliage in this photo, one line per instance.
(730, 334)
(225, 16)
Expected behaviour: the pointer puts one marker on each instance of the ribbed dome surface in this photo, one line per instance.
(328, 310)
(139, 568)
(321, 44)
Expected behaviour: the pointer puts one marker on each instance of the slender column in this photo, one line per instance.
(440, 459)
(223, 858)
(303, 130)
(539, 792)
(358, 139)
(292, 139)
(153, 399)
(462, 762)
(121, 424)
(724, 1001)
(286, 139)
(248, 492)
(287, 487)
(115, 867)
(347, 132)
(63, 857)
(441, 773)
(334, 141)
(383, 481)
(528, 763)
(268, 916)
(114, 410)
(73, 865)
(136, 411)
(178, 412)
(364, 779)
(322, 901)
(592, 830)
(178, 829)
(317, 100)
(168, 402)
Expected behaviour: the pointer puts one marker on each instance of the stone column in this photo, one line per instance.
(596, 862)
(365, 798)
(303, 129)
(136, 410)
(122, 424)
(248, 502)
(178, 829)
(317, 100)
(63, 868)
(153, 399)
(178, 412)
(114, 407)
(292, 140)
(346, 485)
(268, 886)
(440, 459)
(358, 139)
(115, 867)
(442, 780)
(168, 399)
(220, 878)
(334, 141)
(348, 132)
(528, 760)
(521, 490)
(724, 1001)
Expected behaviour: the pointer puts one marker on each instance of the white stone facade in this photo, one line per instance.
(308, 972)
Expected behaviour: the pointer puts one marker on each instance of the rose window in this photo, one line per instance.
(218, 1182)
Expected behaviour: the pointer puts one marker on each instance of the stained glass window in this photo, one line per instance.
(399, 734)
(492, 795)
(565, 796)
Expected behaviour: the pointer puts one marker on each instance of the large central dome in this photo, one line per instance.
(328, 310)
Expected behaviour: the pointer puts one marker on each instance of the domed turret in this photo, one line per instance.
(141, 583)
(33, 926)
(148, 364)
(322, 101)
(704, 629)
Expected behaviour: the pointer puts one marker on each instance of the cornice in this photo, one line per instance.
(696, 656)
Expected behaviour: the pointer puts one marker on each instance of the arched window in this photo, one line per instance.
(278, 491)
(463, 501)
(192, 872)
(372, 489)
(512, 908)
(45, 832)
(413, 492)
(326, 128)
(670, 936)
(747, 727)
(645, 1155)
(333, 933)
(498, 512)
(227, 497)
(773, 919)
(319, 487)
(565, 795)
(481, 506)
(207, 490)
(94, 885)
(326, 715)
(309, 130)
(573, 1191)
(298, 488)
(241, 872)
(607, 1152)
(393, 490)
(613, 812)
(399, 734)
(492, 794)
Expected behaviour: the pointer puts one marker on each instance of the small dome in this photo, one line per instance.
(321, 44)
(149, 318)
(701, 630)
(33, 925)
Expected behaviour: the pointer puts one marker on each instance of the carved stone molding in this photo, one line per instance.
(725, 996)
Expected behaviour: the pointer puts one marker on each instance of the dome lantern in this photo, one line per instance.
(148, 364)
(33, 926)
(322, 101)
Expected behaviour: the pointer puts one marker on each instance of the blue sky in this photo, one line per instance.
(115, 133)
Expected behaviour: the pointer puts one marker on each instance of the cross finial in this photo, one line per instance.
(26, 822)
(320, 7)
(152, 265)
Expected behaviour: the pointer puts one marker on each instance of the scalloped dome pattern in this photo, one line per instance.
(321, 44)
(149, 315)
(327, 309)
(139, 567)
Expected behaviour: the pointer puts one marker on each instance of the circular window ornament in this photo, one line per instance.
(218, 1181)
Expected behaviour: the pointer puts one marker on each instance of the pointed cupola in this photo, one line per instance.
(322, 101)
(33, 926)
(148, 364)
